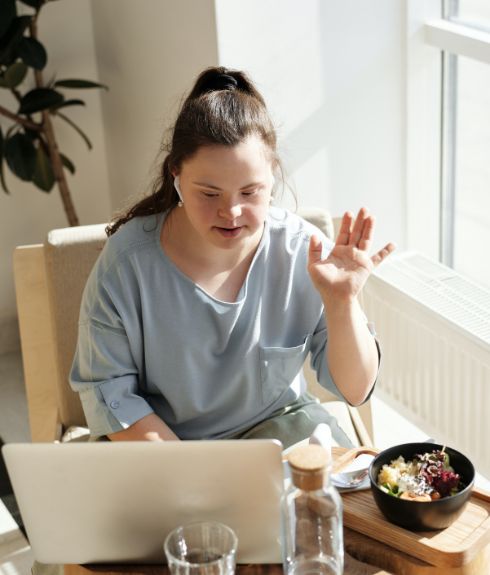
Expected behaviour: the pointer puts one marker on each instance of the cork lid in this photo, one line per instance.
(308, 465)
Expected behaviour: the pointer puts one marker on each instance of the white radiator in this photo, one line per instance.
(434, 329)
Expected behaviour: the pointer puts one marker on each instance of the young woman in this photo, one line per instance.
(206, 300)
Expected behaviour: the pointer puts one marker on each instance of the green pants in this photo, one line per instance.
(294, 423)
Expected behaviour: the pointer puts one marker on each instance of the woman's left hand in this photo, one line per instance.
(344, 272)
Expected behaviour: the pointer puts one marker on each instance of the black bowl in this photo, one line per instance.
(422, 515)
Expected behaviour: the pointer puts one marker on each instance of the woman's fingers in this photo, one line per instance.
(359, 234)
(367, 234)
(358, 229)
(345, 230)
(378, 257)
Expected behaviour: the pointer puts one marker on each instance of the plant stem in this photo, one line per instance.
(59, 173)
(54, 154)
(19, 119)
(17, 94)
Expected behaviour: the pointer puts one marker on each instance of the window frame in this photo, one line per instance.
(459, 38)
(431, 76)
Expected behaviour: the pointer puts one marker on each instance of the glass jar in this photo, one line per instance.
(312, 535)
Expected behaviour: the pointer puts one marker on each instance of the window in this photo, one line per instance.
(463, 35)
(472, 170)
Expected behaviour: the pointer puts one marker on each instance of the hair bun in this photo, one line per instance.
(220, 82)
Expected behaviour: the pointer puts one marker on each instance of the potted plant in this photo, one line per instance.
(28, 146)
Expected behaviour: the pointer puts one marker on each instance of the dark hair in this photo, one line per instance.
(223, 108)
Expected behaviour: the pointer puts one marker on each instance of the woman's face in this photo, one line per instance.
(226, 192)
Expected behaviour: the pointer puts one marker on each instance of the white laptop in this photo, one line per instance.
(116, 502)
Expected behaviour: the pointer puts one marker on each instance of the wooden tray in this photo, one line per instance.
(454, 546)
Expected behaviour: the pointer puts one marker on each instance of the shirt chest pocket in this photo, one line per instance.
(278, 368)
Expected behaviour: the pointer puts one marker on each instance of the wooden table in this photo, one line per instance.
(364, 556)
(355, 543)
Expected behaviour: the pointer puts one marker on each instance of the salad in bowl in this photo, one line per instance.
(421, 485)
(425, 477)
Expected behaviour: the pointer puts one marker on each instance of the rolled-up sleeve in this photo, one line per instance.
(105, 375)
(319, 359)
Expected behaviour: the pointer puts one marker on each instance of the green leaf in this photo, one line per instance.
(40, 99)
(2, 176)
(83, 84)
(32, 134)
(7, 13)
(12, 38)
(13, 75)
(32, 53)
(70, 103)
(76, 128)
(20, 154)
(69, 165)
(43, 176)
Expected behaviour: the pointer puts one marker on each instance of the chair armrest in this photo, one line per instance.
(37, 342)
(363, 424)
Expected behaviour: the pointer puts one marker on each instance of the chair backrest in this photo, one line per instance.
(70, 254)
(49, 282)
(319, 218)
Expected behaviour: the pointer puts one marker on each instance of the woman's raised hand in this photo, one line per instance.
(344, 272)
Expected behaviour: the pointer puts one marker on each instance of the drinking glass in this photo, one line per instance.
(204, 548)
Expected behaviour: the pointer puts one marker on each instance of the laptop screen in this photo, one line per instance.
(116, 502)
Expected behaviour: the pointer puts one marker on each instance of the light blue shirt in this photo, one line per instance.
(153, 341)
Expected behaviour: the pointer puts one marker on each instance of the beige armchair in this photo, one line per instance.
(49, 281)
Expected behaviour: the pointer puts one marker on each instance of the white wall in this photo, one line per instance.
(65, 28)
(148, 53)
(333, 76)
